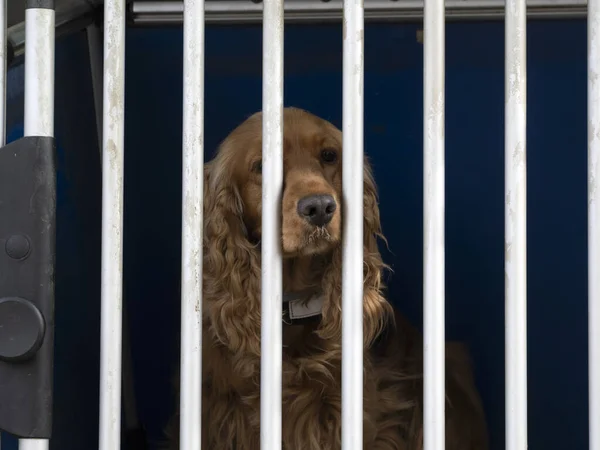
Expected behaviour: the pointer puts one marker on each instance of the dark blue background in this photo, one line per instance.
(557, 255)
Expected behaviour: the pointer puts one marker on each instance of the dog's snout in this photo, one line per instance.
(317, 209)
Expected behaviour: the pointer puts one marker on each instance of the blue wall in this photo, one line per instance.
(557, 258)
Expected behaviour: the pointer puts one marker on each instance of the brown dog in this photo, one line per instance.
(312, 217)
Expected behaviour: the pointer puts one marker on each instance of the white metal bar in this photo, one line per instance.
(113, 125)
(39, 98)
(594, 221)
(352, 262)
(95, 49)
(33, 444)
(433, 225)
(272, 183)
(192, 211)
(516, 224)
(39, 72)
(67, 20)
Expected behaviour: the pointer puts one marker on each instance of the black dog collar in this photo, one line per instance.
(302, 307)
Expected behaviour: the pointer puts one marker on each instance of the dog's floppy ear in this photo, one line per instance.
(223, 213)
(377, 310)
(231, 261)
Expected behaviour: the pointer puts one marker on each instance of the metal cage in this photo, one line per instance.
(28, 315)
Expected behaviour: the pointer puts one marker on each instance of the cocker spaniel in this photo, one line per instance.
(312, 214)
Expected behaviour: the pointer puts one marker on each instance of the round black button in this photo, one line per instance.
(17, 246)
(22, 329)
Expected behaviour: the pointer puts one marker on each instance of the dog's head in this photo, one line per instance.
(311, 213)
(311, 224)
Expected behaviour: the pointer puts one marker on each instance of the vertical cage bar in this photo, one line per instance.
(192, 223)
(39, 97)
(516, 224)
(271, 276)
(113, 126)
(594, 221)
(433, 225)
(34, 444)
(352, 187)
(39, 68)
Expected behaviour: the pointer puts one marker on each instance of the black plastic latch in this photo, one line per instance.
(27, 260)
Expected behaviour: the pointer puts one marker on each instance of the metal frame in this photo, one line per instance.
(39, 121)
(134, 432)
(170, 12)
(434, 348)
(192, 224)
(112, 224)
(39, 97)
(66, 21)
(515, 239)
(271, 266)
(352, 234)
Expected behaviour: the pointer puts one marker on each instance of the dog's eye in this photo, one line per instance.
(257, 167)
(329, 155)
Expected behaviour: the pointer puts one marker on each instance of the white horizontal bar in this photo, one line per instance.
(352, 264)
(272, 183)
(192, 219)
(516, 225)
(113, 125)
(594, 222)
(433, 226)
(39, 72)
(148, 12)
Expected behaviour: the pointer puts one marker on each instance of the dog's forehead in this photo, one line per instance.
(303, 138)
(304, 135)
(302, 124)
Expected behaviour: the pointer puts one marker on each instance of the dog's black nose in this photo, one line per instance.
(317, 209)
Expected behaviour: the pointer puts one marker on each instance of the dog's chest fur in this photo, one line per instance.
(311, 394)
(311, 386)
